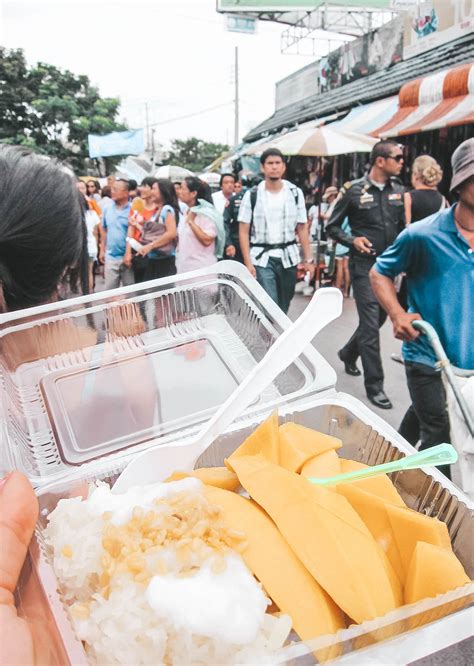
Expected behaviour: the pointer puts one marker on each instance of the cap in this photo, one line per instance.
(329, 191)
(462, 163)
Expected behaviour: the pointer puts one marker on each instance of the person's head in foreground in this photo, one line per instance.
(386, 159)
(330, 194)
(121, 191)
(41, 228)
(272, 164)
(146, 191)
(426, 173)
(227, 184)
(192, 189)
(462, 182)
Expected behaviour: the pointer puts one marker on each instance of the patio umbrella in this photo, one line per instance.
(174, 173)
(210, 178)
(317, 142)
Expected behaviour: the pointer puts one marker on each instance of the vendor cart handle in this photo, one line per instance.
(442, 454)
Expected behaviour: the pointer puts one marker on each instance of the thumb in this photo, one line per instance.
(18, 515)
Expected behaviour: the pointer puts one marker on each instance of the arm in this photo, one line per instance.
(228, 216)
(245, 219)
(201, 235)
(407, 202)
(103, 243)
(127, 260)
(244, 240)
(334, 229)
(303, 236)
(338, 214)
(384, 290)
(168, 237)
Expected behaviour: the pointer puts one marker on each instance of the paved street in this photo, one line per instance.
(331, 339)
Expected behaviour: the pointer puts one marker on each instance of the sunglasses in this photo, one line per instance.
(397, 158)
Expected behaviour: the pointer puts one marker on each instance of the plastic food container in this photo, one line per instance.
(413, 631)
(72, 377)
(102, 377)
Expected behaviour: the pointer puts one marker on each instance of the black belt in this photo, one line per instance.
(271, 246)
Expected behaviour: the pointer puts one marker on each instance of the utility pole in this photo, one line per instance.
(153, 147)
(236, 98)
(147, 122)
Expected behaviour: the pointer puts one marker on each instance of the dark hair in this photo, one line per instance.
(96, 184)
(271, 152)
(202, 189)
(168, 195)
(42, 229)
(106, 191)
(149, 180)
(132, 184)
(125, 182)
(382, 149)
(226, 175)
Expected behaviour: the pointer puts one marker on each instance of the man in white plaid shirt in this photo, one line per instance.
(271, 220)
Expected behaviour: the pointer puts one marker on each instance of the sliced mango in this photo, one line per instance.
(325, 533)
(378, 485)
(409, 527)
(433, 570)
(299, 444)
(371, 508)
(221, 477)
(322, 466)
(281, 573)
(264, 440)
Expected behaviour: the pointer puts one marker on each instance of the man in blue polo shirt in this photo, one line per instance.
(437, 255)
(113, 245)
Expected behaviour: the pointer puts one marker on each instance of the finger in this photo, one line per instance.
(18, 515)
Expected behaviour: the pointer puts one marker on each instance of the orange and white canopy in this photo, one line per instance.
(440, 100)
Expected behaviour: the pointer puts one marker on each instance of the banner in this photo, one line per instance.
(292, 5)
(373, 52)
(131, 142)
(435, 22)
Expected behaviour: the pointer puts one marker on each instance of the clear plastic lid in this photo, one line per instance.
(120, 370)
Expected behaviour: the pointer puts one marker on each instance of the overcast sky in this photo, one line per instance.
(175, 54)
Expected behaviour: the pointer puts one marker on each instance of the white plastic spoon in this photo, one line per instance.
(158, 463)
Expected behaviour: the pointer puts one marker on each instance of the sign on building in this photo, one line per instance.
(291, 5)
(245, 24)
(436, 22)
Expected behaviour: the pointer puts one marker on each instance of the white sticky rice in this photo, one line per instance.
(130, 623)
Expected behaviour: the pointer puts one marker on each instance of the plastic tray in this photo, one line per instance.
(365, 438)
(110, 374)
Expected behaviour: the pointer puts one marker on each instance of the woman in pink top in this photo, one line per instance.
(199, 231)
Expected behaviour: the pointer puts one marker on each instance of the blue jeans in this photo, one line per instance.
(279, 282)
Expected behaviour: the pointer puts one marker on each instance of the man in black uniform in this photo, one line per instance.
(231, 225)
(374, 207)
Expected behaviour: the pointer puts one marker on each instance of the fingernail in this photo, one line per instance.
(4, 480)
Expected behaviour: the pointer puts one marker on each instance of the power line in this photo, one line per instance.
(192, 115)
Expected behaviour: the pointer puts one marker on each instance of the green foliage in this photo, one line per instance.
(50, 110)
(195, 154)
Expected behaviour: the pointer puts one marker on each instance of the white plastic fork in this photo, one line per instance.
(158, 463)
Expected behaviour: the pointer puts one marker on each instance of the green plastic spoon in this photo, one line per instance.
(442, 454)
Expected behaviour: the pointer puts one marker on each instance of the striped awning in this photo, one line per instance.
(366, 118)
(441, 100)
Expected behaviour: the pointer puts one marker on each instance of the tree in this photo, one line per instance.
(51, 110)
(195, 154)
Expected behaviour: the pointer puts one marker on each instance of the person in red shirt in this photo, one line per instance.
(143, 209)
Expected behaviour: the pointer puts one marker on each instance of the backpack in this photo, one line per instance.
(253, 201)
